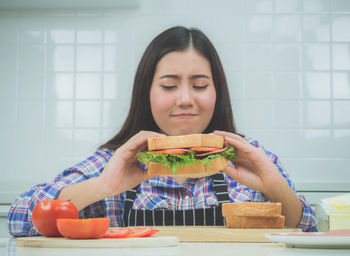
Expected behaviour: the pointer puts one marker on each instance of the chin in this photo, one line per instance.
(183, 132)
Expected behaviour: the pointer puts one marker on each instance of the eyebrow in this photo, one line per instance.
(177, 77)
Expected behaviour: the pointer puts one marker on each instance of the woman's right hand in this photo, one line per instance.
(123, 171)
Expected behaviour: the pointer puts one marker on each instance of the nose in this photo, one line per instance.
(184, 97)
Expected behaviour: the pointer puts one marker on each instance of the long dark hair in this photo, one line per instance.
(140, 115)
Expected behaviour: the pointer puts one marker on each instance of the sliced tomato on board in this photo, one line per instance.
(142, 231)
(154, 231)
(83, 228)
(126, 232)
(171, 151)
(203, 149)
(116, 232)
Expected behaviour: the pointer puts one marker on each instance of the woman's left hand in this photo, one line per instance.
(255, 170)
(252, 167)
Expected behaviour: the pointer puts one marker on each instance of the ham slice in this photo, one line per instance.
(212, 152)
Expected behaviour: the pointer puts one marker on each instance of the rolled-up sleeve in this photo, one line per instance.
(308, 220)
(20, 214)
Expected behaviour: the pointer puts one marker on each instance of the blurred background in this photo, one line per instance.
(67, 68)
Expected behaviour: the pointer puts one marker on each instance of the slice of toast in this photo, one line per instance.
(254, 222)
(262, 209)
(185, 141)
(256, 215)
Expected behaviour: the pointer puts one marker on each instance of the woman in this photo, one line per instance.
(179, 88)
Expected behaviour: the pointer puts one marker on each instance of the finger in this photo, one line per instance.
(139, 141)
(244, 177)
(227, 134)
(231, 171)
(149, 134)
(148, 177)
(230, 134)
(143, 136)
(234, 142)
(233, 136)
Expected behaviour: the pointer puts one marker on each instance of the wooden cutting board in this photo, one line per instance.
(166, 237)
(218, 234)
(57, 242)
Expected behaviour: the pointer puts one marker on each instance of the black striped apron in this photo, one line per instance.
(194, 217)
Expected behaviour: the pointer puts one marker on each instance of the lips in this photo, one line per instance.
(184, 115)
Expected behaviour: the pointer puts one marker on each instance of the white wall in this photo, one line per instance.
(66, 78)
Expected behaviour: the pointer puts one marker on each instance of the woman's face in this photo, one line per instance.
(182, 94)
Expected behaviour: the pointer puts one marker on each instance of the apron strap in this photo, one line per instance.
(220, 187)
(129, 201)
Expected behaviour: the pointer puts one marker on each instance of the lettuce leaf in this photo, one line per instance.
(173, 161)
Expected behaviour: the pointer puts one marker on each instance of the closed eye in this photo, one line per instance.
(168, 87)
(200, 87)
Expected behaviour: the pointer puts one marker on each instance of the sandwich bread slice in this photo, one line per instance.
(254, 215)
(194, 155)
(255, 222)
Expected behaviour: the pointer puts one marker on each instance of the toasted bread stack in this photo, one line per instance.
(253, 215)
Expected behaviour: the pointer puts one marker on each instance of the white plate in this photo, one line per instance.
(316, 241)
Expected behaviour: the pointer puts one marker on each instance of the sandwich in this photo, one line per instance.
(193, 156)
(255, 215)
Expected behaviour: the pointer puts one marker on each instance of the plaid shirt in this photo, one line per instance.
(159, 192)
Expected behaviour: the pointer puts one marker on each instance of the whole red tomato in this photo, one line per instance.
(46, 212)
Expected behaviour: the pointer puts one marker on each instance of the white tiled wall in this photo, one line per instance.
(66, 78)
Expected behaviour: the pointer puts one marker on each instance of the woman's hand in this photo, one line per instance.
(123, 171)
(252, 167)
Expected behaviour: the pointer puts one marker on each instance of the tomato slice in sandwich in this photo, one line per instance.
(203, 149)
(171, 151)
